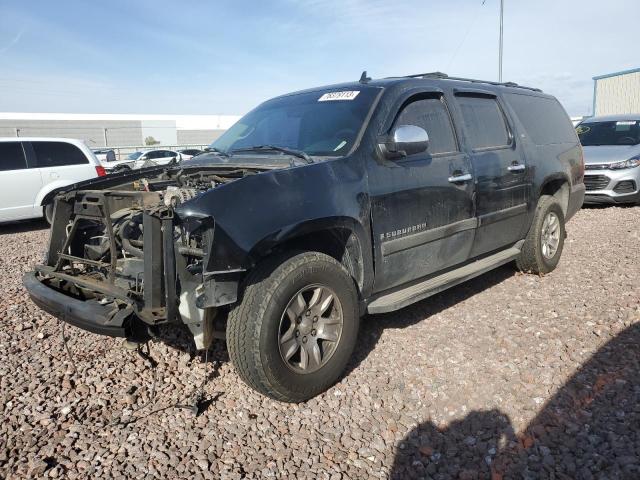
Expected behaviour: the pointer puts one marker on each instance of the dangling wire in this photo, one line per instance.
(193, 407)
(66, 347)
(153, 364)
(466, 34)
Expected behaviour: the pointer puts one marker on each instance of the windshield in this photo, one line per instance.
(621, 132)
(319, 123)
(134, 155)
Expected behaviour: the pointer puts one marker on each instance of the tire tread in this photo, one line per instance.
(245, 319)
(530, 259)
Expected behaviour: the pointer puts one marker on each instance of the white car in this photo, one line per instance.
(104, 154)
(145, 158)
(188, 153)
(31, 167)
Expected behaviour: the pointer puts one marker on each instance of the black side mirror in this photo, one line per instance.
(405, 140)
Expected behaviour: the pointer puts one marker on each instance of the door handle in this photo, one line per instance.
(516, 167)
(460, 178)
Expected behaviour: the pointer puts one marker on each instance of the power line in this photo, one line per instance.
(501, 41)
(466, 34)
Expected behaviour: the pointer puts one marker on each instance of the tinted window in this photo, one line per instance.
(621, 132)
(12, 156)
(432, 115)
(57, 154)
(544, 119)
(484, 122)
(324, 123)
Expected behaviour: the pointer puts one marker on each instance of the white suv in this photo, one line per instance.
(32, 167)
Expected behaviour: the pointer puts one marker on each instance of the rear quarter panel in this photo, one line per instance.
(550, 159)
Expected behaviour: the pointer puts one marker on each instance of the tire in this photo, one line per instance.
(535, 258)
(258, 325)
(47, 212)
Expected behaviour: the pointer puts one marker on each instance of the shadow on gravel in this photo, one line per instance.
(589, 430)
(23, 226)
(372, 326)
(179, 337)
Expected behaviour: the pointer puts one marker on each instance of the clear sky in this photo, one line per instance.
(224, 57)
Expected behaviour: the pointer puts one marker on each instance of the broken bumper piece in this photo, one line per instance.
(89, 315)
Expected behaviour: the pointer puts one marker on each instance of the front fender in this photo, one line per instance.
(258, 212)
(305, 228)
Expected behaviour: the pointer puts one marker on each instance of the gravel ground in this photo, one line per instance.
(506, 376)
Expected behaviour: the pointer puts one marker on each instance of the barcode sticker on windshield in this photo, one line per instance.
(331, 96)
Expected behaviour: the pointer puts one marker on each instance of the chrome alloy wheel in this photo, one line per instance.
(550, 238)
(310, 328)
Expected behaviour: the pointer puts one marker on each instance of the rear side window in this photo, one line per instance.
(484, 122)
(544, 119)
(12, 156)
(432, 115)
(58, 154)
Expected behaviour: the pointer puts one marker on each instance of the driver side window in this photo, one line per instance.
(432, 115)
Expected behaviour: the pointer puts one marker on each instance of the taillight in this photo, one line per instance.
(101, 171)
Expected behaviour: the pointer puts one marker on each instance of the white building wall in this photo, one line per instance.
(617, 94)
(163, 131)
(198, 137)
(119, 130)
(91, 131)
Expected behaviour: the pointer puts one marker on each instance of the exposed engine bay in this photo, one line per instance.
(125, 249)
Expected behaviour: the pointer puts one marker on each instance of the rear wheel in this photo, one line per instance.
(543, 246)
(295, 328)
(48, 213)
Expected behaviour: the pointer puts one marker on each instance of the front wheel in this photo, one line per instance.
(543, 246)
(294, 330)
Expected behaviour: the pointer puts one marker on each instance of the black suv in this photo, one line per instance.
(314, 209)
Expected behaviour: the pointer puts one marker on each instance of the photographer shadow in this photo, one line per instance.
(590, 429)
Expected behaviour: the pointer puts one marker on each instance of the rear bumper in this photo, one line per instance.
(89, 315)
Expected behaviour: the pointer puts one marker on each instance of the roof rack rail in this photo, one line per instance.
(440, 75)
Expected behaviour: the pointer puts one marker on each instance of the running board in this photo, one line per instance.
(414, 293)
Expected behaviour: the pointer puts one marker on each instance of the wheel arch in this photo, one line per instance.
(43, 197)
(558, 186)
(342, 238)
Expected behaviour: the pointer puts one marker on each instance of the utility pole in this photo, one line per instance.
(106, 144)
(501, 41)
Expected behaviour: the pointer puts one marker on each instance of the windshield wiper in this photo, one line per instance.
(275, 148)
(222, 153)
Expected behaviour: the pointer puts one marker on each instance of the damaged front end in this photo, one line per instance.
(121, 261)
